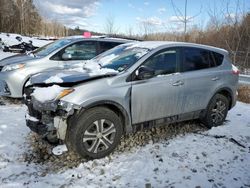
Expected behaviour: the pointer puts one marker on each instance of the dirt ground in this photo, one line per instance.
(244, 93)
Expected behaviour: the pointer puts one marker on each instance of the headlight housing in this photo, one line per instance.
(64, 93)
(12, 67)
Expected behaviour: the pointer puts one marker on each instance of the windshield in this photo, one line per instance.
(121, 57)
(51, 47)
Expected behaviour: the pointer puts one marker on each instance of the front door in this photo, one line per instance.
(161, 95)
(76, 53)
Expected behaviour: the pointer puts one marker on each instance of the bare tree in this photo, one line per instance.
(110, 27)
(129, 31)
(183, 17)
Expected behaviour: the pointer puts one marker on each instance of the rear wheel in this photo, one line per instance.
(95, 133)
(216, 111)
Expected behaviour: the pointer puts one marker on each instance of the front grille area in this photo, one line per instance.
(27, 101)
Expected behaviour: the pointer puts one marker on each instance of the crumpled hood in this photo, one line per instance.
(68, 77)
(19, 58)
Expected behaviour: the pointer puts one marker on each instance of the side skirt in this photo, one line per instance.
(166, 120)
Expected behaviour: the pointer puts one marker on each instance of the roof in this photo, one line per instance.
(157, 44)
(99, 38)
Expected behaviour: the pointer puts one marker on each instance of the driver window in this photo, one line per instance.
(163, 63)
(84, 50)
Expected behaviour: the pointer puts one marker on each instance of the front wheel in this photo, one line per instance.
(95, 133)
(216, 111)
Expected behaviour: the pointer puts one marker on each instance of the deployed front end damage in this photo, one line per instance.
(48, 119)
(47, 114)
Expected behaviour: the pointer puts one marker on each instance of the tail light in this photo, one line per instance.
(235, 70)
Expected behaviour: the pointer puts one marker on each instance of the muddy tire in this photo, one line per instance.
(94, 133)
(216, 111)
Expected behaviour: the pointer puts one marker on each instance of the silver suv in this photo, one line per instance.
(155, 83)
(61, 54)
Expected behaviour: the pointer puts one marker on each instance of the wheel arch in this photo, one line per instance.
(118, 109)
(227, 92)
(24, 83)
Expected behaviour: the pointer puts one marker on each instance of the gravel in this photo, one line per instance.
(40, 151)
(6, 101)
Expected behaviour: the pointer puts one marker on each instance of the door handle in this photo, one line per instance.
(215, 78)
(178, 83)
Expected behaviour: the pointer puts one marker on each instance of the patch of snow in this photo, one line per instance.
(148, 44)
(166, 75)
(5, 54)
(59, 150)
(140, 52)
(188, 161)
(47, 93)
(103, 71)
(55, 79)
(107, 59)
(91, 65)
(11, 39)
(31, 118)
(95, 69)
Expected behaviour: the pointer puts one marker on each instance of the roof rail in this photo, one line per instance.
(120, 36)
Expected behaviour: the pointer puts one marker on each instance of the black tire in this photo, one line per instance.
(94, 133)
(216, 111)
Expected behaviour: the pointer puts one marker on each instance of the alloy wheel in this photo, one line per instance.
(99, 136)
(218, 111)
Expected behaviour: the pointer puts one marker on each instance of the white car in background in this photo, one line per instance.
(16, 70)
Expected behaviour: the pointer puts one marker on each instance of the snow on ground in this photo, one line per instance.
(5, 54)
(11, 39)
(185, 161)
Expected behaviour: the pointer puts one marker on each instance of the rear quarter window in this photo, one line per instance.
(217, 58)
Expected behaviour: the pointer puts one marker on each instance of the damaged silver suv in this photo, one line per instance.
(132, 86)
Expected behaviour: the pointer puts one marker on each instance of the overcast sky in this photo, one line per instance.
(131, 14)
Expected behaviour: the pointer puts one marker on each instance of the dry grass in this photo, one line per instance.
(244, 93)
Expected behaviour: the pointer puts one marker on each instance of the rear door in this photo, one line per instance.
(201, 78)
(161, 95)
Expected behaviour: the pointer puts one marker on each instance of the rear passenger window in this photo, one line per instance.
(196, 59)
(104, 46)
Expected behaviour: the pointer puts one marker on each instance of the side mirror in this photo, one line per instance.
(66, 56)
(144, 72)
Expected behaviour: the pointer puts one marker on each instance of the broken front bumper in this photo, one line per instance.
(47, 118)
